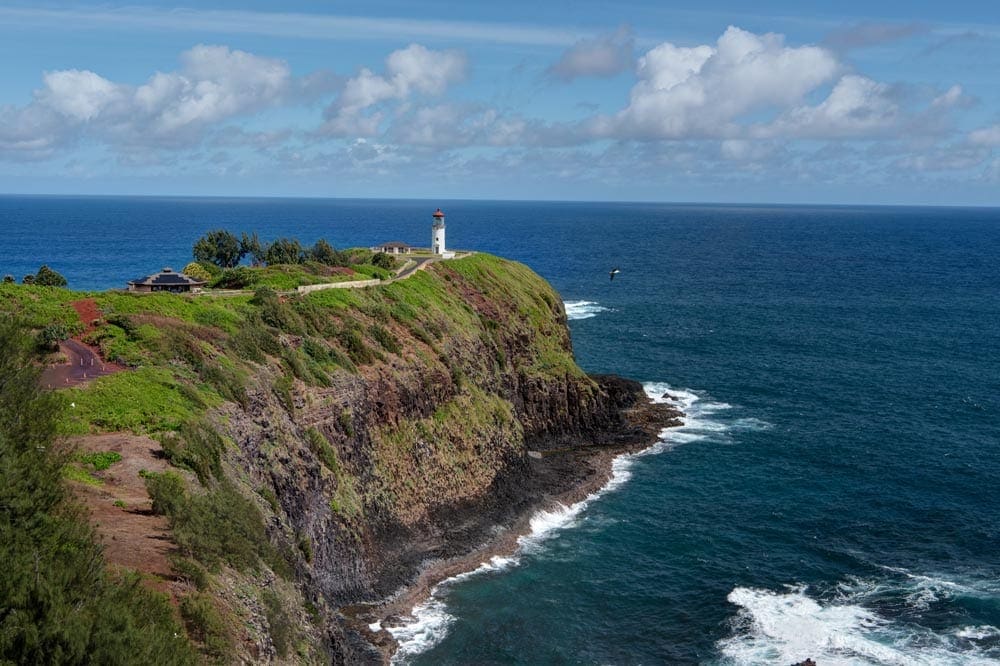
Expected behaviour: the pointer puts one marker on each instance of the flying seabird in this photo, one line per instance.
(613, 272)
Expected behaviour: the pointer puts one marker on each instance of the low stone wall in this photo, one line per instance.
(305, 289)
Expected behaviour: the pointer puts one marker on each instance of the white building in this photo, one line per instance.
(437, 236)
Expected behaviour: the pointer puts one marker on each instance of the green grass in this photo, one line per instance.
(144, 400)
(218, 311)
(41, 306)
(100, 460)
(80, 475)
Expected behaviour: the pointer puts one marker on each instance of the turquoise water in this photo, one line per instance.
(834, 493)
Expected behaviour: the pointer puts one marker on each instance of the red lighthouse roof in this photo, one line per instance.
(438, 213)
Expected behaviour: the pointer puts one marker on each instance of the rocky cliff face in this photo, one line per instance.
(422, 452)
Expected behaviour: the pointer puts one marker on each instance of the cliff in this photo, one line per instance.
(323, 448)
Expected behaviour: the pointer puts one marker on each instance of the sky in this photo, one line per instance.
(890, 102)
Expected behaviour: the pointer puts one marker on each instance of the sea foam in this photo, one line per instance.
(583, 309)
(789, 626)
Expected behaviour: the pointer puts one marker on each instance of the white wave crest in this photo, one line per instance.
(788, 627)
(583, 309)
(428, 624)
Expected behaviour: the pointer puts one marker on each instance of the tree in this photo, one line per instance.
(57, 603)
(383, 260)
(8, 279)
(324, 253)
(219, 247)
(28, 279)
(284, 251)
(47, 277)
(251, 245)
(197, 271)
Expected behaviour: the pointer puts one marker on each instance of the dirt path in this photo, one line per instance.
(132, 535)
(83, 361)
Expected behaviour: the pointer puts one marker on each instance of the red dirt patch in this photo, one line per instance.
(88, 312)
(132, 535)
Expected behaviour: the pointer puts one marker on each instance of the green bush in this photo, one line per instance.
(284, 251)
(217, 527)
(197, 447)
(205, 625)
(190, 571)
(383, 260)
(50, 336)
(197, 271)
(240, 277)
(46, 277)
(281, 628)
(386, 339)
(100, 460)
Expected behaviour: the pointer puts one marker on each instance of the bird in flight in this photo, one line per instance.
(613, 272)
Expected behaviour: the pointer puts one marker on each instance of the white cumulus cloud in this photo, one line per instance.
(413, 70)
(213, 84)
(692, 92)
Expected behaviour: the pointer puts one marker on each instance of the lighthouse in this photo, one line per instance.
(437, 234)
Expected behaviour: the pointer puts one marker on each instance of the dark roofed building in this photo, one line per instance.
(166, 280)
(394, 247)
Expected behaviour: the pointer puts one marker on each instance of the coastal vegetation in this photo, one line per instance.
(58, 603)
(295, 432)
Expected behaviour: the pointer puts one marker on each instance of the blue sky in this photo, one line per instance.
(862, 102)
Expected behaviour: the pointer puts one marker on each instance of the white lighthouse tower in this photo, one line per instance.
(437, 236)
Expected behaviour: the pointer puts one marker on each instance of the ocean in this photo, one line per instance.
(833, 493)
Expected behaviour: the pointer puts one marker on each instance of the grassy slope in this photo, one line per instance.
(189, 354)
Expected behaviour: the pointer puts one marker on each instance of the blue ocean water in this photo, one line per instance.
(834, 492)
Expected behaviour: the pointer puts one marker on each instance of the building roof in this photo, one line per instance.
(399, 244)
(168, 278)
(438, 213)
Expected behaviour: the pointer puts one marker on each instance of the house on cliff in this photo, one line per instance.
(393, 247)
(166, 280)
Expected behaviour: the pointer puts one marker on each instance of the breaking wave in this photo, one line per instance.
(861, 622)
(583, 309)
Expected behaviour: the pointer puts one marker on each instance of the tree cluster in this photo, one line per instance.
(223, 249)
(45, 277)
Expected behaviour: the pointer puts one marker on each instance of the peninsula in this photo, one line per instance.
(291, 469)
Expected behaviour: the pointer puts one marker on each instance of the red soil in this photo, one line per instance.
(132, 535)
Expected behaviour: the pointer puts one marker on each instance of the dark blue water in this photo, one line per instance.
(834, 493)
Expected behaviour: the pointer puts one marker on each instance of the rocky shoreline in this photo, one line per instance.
(559, 472)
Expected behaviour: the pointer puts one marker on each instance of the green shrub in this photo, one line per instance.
(205, 625)
(383, 260)
(386, 339)
(197, 446)
(50, 336)
(197, 271)
(281, 628)
(284, 251)
(101, 460)
(217, 527)
(239, 277)
(188, 570)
